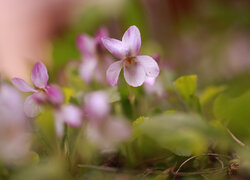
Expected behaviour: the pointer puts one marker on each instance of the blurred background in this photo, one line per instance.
(209, 38)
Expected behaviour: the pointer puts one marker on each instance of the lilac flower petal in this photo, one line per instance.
(39, 75)
(55, 95)
(72, 115)
(31, 106)
(87, 68)
(86, 45)
(132, 40)
(101, 33)
(22, 85)
(115, 46)
(40, 97)
(150, 65)
(150, 80)
(134, 74)
(96, 105)
(113, 72)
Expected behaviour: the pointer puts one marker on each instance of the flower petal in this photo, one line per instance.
(55, 95)
(72, 115)
(39, 75)
(31, 106)
(86, 45)
(113, 72)
(150, 65)
(96, 105)
(150, 80)
(132, 40)
(134, 74)
(87, 68)
(22, 85)
(101, 33)
(115, 46)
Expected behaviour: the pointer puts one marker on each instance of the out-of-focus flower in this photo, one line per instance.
(42, 92)
(109, 134)
(154, 86)
(136, 67)
(14, 136)
(103, 130)
(94, 60)
(96, 106)
(69, 114)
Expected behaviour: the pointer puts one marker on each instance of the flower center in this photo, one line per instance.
(129, 61)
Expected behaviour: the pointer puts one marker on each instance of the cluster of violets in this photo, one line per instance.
(102, 128)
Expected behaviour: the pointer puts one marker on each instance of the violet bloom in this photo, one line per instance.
(14, 134)
(96, 106)
(103, 130)
(94, 60)
(69, 114)
(136, 67)
(42, 92)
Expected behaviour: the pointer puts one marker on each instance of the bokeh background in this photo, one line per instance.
(209, 38)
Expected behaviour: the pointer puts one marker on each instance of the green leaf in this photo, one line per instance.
(183, 134)
(234, 110)
(210, 93)
(186, 86)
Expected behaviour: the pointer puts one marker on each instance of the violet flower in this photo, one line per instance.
(69, 114)
(94, 60)
(103, 130)
(136, 67)
(42, 92)
(96, 106)
(14, 130)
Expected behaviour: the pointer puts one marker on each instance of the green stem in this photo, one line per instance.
(131, 97)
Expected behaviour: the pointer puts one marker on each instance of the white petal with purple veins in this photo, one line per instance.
(116, 47)
(134, 74)
(39, 75)
(22, 85)
(113, 72)
(132, 40)
(150, 65)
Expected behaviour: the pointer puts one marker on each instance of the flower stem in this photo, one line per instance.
(131, 98)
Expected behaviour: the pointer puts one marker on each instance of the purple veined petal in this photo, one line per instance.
(96, 105)
(31, 107)
(115, 47)
(39, 75)
(113, 72)
(150, 65)
(150, 81)
(22, 85)
(86, 45)
(132, 40)
(55, 95)
(134, 74)
(87, 68)
(72, 115)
